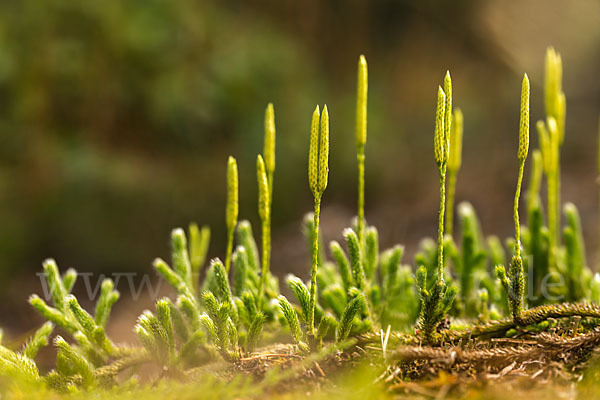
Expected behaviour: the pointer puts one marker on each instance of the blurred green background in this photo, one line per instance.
(116, 119)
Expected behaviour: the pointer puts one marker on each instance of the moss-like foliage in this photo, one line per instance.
(456, 289)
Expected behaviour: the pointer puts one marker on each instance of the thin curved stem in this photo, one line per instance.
(516, 210)
(450, 206)
(315, 262)
(361, 196)
(440, 256)
(229, 249)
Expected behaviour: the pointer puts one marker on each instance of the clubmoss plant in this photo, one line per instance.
(437, 300)
(67, 313)
(350, 300)
(514, 285)
(265, 168)
(361, 139)
(318, 170)
(552, 133)
(442, 149)
(20, 365)
(264, 212)
(231, 216)
(454, 163)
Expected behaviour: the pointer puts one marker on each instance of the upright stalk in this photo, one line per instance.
(361, 140)
(514, 283)
(264, 212)
(440, 251)
(265, 169)
(454, 163)
(437, 299)
(231, 215)
(318, 170)
(555, 106)
(516, 209)
(314, 264)
(442, 150)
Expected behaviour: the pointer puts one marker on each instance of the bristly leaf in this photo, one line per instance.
(342, 262)
(254, 331)
(83, 318)
(421, 278)
(211, 304)
(358, 272)
(39, 340)
(240, 270)
(292, 319)
(180, 256)
(108, 297)
(189, 306)
(81, 365)
(153, 326)
(210, 327)
(327, 323)
(163, 312)
(179, 323)
(55, 284)
(249, 304)
(52, 314)
(224, 292)
(69, 278)
(301, 293)
(371, 252)
(355, 306)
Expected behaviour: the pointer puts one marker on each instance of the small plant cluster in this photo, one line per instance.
(458, 286)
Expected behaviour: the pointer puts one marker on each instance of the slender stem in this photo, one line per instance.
(552, 212)
(270, 182)
(315, 261)
(441, 222)
(361, 195)
(266, 258)
(266, 245)
(451, 191)
(229, 249)
(516, 210)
